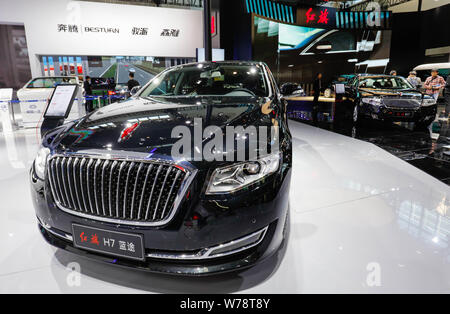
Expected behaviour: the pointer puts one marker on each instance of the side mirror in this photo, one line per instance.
(134, 90)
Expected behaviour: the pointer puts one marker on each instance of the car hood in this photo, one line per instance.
(146, 124)
(410, 99)
(390, 93)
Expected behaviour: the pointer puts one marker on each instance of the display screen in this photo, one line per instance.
(61, 101)
(340, 89)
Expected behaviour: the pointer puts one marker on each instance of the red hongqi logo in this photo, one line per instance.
(321, 19)
(128, 132)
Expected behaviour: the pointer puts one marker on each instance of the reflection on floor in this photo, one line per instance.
(426, 149)
(361, 221)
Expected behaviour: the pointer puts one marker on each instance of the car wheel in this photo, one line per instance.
(356, 114)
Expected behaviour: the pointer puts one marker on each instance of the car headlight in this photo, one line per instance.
(375, 101)
(40, 162)
(428, 102)
(236, 177)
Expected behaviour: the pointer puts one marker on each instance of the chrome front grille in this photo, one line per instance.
(124, 191)
(401, 103)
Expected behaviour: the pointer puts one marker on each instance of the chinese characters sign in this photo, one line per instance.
(141, 31)
(170, 33)
(68, 28)
(109, 242)
(321, 17)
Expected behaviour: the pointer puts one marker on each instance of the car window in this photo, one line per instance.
(51, 82)
(340, 41)
(209, 80)
(385, 83)
(64, 80)
(37, 83)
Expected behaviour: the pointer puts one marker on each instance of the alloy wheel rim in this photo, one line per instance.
(355, 114)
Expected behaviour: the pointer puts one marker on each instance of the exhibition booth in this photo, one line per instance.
(76, 39)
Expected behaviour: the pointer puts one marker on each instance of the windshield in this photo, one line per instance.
(383, 82)
(51, 82)
(209, 80)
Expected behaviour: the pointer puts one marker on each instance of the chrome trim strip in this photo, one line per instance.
(110, 186)
(97, 164)
(170, 193)
(80, 206)
(118, 188)
(91, 207)
(59, 185)
(150, 168)
(69, 161)
(56, 181)
(105, 165)
(135, 188)
(64, 185)
(190, 175)
(83, 161)
(51, 178)
(207, 253)
(125, 203)
(161, 192)
(153, 189)
(58, 234)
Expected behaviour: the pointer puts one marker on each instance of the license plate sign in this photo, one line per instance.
(112, 243)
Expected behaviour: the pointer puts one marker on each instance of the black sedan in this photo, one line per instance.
(389, 98)
(147, 183)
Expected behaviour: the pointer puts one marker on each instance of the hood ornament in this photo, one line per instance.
(128, 132)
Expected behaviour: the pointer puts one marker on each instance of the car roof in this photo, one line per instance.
(377, 75)
(431, 66)
(53, 77)
(231, 62)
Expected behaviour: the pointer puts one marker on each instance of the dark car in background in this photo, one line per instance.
(389, 98)
(292, 90)
(108, 186)
(344, 79)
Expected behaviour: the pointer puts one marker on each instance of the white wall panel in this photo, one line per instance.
(41, 19)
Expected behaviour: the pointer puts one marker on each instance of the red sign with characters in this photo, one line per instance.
(311, 16)
(321, 17)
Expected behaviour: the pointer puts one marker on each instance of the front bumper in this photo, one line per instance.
(402, 114)
(218, 222)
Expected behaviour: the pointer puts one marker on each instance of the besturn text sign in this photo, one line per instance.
(105, 29)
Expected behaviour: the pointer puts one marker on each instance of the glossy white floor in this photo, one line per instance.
(361, 221)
